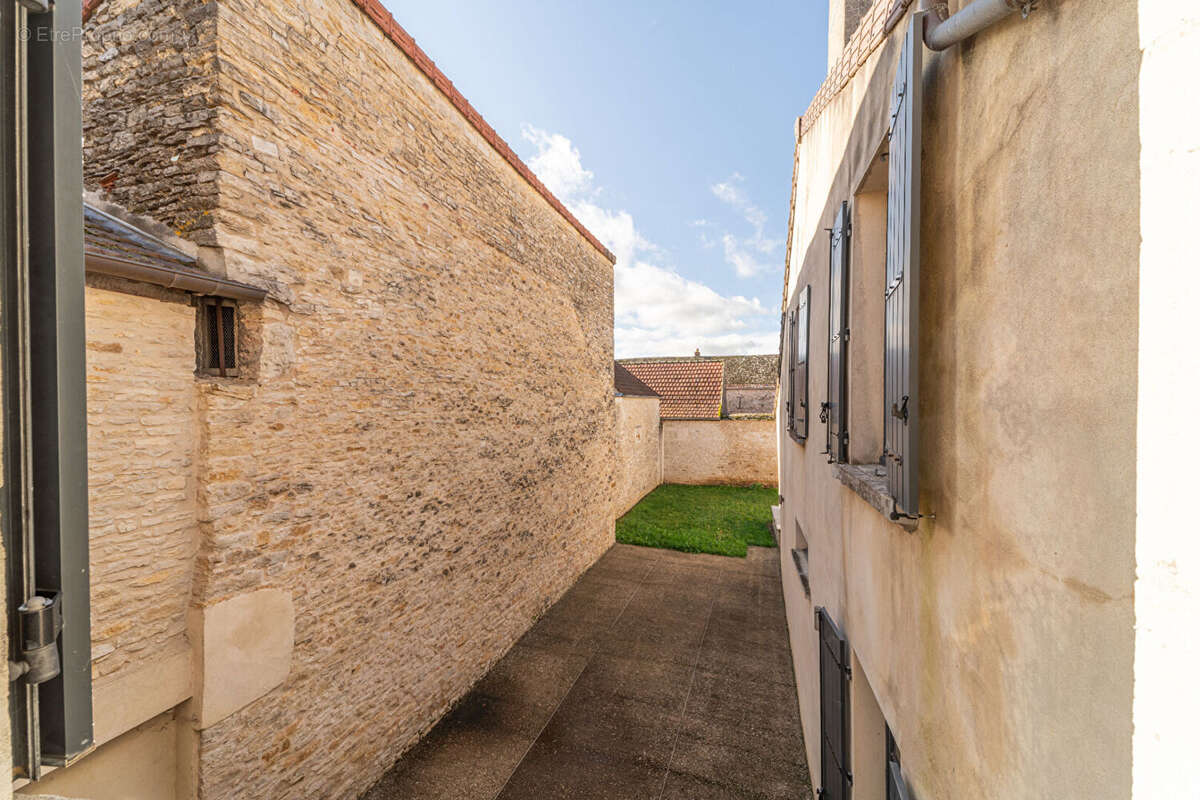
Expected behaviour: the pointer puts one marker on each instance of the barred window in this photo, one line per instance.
(218, 337)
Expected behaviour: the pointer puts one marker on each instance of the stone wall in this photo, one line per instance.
(150, 109)
(738, 452)
(638, 451)
(143, 432)
(748, 400)
(377, 459)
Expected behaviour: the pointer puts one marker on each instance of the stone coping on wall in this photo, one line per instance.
(866, 481)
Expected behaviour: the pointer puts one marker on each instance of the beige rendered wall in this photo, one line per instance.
(1166, 693)
(998, 637)
(377, 461)
(138, 765)
(728, 451)
(638, 451)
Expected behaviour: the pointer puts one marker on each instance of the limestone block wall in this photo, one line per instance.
(143, 431)
(638, 452)
(378, 458)
(727, 451)
(150, 109)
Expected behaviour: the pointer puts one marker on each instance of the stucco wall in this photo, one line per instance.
(729, 451)
(377, 459)
(1166, 693)
(638, 450)
(999, 636)
(139, 765)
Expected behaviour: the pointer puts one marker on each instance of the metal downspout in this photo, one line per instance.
(942, 31)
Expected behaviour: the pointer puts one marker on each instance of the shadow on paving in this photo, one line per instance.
(658, 675)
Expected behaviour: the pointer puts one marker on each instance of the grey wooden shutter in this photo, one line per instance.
(835, 709)
(800, 373)
(903, 276)
(896, 788)
(837, 438)
(791, 384)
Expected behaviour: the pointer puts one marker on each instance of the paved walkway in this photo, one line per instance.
(658, 675)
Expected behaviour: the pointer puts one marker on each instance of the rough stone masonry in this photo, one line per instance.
(419, 447)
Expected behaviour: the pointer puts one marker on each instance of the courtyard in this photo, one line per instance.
(660, 674)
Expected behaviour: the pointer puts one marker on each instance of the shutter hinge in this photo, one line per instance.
(901, 411)
(41, 623)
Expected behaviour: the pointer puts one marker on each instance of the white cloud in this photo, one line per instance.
(744, 254)
(657, 311)
(557, 163)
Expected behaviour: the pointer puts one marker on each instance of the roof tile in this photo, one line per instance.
(689, 389)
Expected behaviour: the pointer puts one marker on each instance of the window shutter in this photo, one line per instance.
(896, 788)
(903, 276)
(835, 709)
(791, 360)
(800, 369)
(836, 435)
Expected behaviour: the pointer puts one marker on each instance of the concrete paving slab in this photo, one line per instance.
(658, 675)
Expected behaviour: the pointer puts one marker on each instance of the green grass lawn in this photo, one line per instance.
(701, 519)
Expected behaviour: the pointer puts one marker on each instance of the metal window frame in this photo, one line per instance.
(45, 527)
(205, 305)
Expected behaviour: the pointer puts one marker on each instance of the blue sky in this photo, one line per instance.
(666, 127)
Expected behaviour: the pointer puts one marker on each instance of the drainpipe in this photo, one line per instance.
(943, 31)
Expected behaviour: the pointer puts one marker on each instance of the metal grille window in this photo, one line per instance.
(798, 375)
(835, 709)
(903, 279)
(218, 320)
(833, 410)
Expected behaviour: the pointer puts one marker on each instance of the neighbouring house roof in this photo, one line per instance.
(688, 389)
(392, 30)
(626, 385)
(752, 370)
(113, 246)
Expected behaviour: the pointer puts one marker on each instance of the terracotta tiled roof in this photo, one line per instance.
(689, 389)
(627, 385)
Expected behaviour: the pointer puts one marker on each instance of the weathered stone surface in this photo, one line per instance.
(142, 435)
(150, 110)
(420, 445)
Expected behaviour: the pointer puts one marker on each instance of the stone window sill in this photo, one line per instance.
(869, 481)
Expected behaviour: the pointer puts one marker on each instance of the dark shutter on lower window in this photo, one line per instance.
(837, 438)
(903, 277)
(835, 709)
(799, 357)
